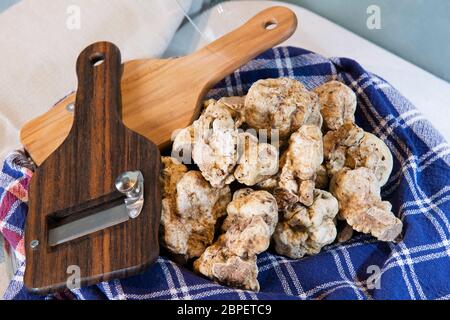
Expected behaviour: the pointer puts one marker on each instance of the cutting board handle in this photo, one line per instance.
(98, 67)
(268, 28)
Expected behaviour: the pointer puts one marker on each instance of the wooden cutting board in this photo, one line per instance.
(160, 96)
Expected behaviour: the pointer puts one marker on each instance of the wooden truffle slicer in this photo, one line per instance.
(94, 201)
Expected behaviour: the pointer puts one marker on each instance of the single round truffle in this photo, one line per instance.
(306, 230)
(281, 104)
(190, 210)
(249, 225)
(360, 204)
(337, 104)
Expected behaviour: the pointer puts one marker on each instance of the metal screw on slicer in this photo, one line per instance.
(131, 184)
(34, 244)
(70, 107)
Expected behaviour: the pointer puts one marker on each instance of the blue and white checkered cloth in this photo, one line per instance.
(418, 267)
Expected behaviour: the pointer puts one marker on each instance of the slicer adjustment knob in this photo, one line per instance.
(131, 184)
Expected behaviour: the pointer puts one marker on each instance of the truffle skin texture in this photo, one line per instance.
(322, 180)
(360, 204)
(351, 147)
(271, 183)
(219, 264)
(336, 144)
(182, 145)
(254, 215)
(373, 154)
(282, 104)
(306, 230)
(236, 104)
(189, 213)
(171, 172)
(213, 139)
(258, 161)
(213, 150)
(248, 227)
(303, 159)
(337, 104)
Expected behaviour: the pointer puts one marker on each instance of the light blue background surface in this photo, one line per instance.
(6, 3)
(416, 30)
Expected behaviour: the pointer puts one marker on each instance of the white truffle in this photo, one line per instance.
(248, 227)
(306, 230)
(322, 181)
(219, 264)
(190, 210)
(270, 184)
(236, 104)
(242, 192)
(247, 205)
(371, 153)
(337, 104)
(212, 139)
(303, 159)
(351, 147)
(283, 104)
(336, 144)
(257, 162)
(182, 145)
(171, 172)
(360, 204)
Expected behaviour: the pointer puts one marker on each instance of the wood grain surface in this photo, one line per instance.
(160, 96)
(82, 170)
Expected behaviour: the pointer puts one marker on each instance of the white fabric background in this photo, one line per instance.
(38, 52)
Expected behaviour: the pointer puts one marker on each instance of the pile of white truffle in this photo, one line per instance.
(321, 167)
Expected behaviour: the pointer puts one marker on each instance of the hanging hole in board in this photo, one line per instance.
(97, 59)
(270, 25)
